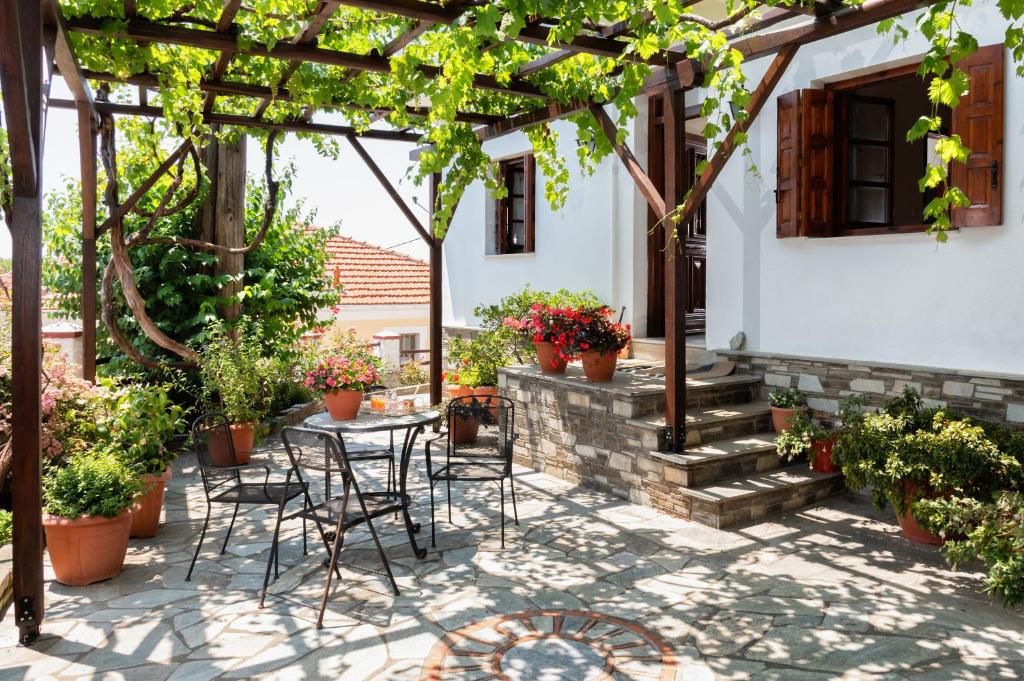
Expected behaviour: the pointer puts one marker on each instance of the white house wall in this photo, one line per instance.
(588, 244)
(893, 298)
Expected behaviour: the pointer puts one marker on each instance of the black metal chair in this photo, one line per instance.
(487, 457)
(319, 452)
(225, 484)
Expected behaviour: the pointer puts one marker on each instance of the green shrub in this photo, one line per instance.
(138, 421)
(990, 532)
(412, 373)
(91, 484)
(235, 372)
(799, 439)
(790, 398)
(6, 527)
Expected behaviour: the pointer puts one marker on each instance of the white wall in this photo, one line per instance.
(893, 298)
(589, 243)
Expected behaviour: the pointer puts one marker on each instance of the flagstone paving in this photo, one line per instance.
(588, 585)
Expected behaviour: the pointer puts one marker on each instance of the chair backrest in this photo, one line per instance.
(491, 417)
(318, 452)
(211, 441)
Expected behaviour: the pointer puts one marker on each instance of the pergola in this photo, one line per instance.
(36, 43)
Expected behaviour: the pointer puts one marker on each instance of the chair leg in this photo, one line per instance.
(230, 527)
(512, 485)
(305, 547)
(449, 484)
(332, 568)
(433, 542)
(272, 558)
(199, 545)
(380, 552)
(501, 486)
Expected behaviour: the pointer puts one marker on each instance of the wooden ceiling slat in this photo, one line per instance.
(220, 67)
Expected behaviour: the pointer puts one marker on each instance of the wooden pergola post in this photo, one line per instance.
(21, 77)
(436, 260)
(87, 158)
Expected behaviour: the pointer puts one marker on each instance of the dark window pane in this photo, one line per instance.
(869, 163)
(869, 121)
(868, 205)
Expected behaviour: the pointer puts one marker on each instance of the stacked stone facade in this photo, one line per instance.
(992, 397)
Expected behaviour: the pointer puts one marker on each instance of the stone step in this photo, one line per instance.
(653, 350)
(707, 463)
(750, 497)
(711, 424)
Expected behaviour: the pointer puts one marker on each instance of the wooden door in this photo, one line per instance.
(694, 233)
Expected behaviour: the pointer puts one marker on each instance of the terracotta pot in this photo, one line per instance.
(910, 528)
(87, 550)
(456, 390)
(146, 516)
(822, 461)
(463, 430)
(343, 405)
(599, 367)
(782, 419)
(243, 435)
(548, 358)
(485, 393)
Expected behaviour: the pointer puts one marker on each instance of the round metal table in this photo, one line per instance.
(374, 421)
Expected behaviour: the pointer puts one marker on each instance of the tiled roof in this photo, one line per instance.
(372, 275)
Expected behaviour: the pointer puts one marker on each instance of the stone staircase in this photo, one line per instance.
(730, 471)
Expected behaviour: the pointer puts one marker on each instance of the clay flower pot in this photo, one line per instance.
(549, 359)
(463, 430)
(910, 528)
(343, 405)
(146, 515)
(782, 419)
(456, 390)
(243, 435)
(822, 461)
(86, 550)
(599, 367)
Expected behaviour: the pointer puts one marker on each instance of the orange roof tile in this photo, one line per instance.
(372, 275)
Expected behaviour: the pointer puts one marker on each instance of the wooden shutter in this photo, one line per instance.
(530, 190)
(787, 173)
(979, 122)
(501, 217)
(817, 142)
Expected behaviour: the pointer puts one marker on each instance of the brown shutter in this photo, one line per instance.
(787, 173)
(530, 191)
(979, 122)
(501, 218)
(817, 123)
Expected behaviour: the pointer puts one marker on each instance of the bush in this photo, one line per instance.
(92, 484)
(137, 422)
(237, 377)
(6, 527)
(790, 398)
(412, 373)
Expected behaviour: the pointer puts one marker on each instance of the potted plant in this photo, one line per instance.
(138, 422)
(599, 341)
(806, 436)
(552, 330)
(87, 516)
(908, 453)
(784, 405)
(232, 368)
(342, 380)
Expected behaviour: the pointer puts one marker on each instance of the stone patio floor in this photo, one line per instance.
(587, 585)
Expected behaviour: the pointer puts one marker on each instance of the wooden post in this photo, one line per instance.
(87, 160)
(21, 78)
(675, 275)
(434, 335)
(230, 217)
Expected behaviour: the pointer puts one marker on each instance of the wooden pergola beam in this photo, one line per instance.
(643, 182)
(248, 121)
(153, 32)
(220, 67)
(413, 9)
(16, 87)
(599, 46)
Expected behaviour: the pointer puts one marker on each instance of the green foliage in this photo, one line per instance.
(790, 398)
(908, 447)
(412, 373)
(92, 484)
(237, 376)
(137, 422)
(801, 436)
(990, 532)
(6, 527)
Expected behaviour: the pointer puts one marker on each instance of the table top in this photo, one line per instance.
(371, 420)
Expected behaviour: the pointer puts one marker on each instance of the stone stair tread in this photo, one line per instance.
(727, 449)
(712, 415)
(758, 483)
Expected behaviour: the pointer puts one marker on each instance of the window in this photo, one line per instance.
(408, 342)
(514, 221)
(845, 166)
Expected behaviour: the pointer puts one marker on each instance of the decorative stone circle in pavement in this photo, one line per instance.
(551, 645)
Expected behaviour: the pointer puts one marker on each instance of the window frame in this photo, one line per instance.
(503, 222)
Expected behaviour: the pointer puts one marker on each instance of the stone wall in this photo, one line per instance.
(989, 396)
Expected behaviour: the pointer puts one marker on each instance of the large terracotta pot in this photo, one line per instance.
(782, 419)
(87, 550)
(486, 393)
(456, 390)
(599, 367)
(548, 358)
(822, 461)
(343, 405)
(146, 516)
(910, 528)
(463, 430)
(243, 435)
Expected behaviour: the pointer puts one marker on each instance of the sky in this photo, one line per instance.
(340, 190)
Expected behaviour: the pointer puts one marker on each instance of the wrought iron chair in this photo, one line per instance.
(487, 457)
(317, 452)
(224, 484)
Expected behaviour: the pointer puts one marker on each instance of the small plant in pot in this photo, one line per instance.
(807, 437)
(553, 333)
(342, 380)
(87, 516)
(139, 420)
(599, 341)
(233, 370)
(784, 405)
